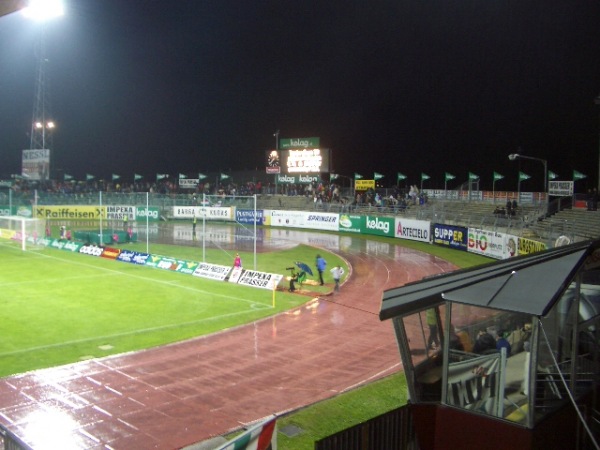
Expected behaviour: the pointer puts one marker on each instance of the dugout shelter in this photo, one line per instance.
(539, 387)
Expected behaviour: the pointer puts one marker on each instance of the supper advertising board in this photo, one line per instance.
(453, 236)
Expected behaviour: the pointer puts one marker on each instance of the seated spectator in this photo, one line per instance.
(498, 212)
(455, 341)
(502, 342)
(484, 344)
(465, 340)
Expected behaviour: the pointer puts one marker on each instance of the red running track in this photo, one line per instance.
(177, 395)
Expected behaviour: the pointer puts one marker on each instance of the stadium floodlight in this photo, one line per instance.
(42, 10)
(515, 156)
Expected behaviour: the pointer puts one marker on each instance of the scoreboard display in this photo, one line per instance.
(306, 160)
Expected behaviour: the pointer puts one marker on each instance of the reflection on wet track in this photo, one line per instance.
(176, 395)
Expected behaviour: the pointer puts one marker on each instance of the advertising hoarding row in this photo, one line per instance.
(488, 243)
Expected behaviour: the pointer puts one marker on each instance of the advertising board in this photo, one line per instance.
(305, 219)
(246, 216)
(203, 212)
(487, 243)
(412, 229)
(450, 235)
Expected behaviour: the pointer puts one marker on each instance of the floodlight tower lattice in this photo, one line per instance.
(41, 123)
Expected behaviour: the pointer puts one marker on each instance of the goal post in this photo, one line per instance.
(243, 202)
(25, 231)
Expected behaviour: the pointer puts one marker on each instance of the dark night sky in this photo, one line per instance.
(151, 86)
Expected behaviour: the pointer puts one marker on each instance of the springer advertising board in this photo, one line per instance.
(303, 219)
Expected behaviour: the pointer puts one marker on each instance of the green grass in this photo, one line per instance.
(59, 307)
(343, 411)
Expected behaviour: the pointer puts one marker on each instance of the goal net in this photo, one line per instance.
(22, 231)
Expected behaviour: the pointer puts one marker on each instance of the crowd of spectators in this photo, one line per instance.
(321, 193)
(509, 211)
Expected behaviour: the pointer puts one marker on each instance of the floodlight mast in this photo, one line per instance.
(515, 156)
(42, 126)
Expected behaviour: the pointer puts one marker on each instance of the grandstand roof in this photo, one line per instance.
(10, 6)
(529, 284)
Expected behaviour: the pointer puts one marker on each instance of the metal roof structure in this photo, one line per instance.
(528, 284)
(10, 6)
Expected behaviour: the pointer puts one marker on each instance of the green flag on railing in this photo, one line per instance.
(357, 176)
(449, 176)
(201, 176)
(89, 177)
(523, 176)
(68, 177)
(552, 175)
(137, 177)
(424, 176)
(160, 176)
(115, 176)
(377, 176)
(333, 176)
(473, 176)
(401, 176)
(578, 175)
(498, 176)
(224, 176)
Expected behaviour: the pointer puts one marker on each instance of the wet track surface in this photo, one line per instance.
(176, 395)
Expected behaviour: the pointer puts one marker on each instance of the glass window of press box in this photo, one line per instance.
(508, 365)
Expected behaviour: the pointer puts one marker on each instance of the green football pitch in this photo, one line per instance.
(59, 307)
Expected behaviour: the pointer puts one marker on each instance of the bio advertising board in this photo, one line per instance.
(412, 229)
(203, 212)
(303, 219)
(451, 236)
(487, 243)
(246, 216)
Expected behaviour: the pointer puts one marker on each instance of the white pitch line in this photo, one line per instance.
(129, 333)
(167, 283)
(58, 280)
